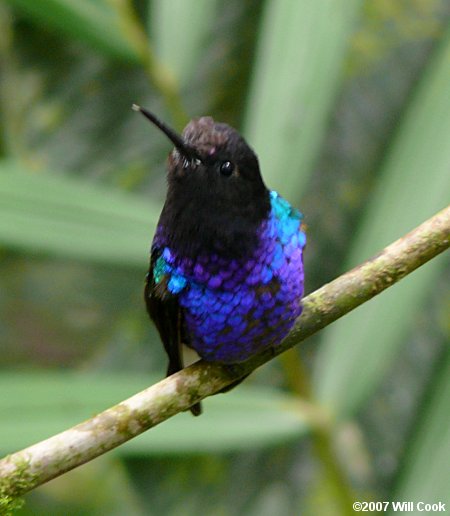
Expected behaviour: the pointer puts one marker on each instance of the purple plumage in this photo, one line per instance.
(226, 268)
(234, 308)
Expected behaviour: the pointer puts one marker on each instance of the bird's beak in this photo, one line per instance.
(186, 150)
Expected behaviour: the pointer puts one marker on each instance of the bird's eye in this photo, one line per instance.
(226, 168)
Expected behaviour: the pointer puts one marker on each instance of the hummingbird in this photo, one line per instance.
(226, 263)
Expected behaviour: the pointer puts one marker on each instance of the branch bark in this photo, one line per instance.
(35, 465)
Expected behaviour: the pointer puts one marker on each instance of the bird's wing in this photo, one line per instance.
(164, 310)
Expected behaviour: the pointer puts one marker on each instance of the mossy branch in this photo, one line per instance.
(31, 467)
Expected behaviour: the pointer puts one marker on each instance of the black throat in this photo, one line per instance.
(194, 223)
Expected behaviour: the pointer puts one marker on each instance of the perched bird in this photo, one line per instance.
(226, 267)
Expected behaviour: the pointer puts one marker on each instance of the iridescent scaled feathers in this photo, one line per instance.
(233, 308)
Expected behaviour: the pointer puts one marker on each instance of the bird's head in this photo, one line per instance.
(213, 159)
(215, 188)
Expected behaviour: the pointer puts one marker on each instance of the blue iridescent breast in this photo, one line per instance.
(233, 308)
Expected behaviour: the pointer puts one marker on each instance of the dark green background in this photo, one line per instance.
(347, 105)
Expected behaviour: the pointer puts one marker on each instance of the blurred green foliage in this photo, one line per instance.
(347, 106)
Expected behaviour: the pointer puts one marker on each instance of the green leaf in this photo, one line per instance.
(35, 406)
(296, 78)
(425, 476)
(414, 184)
(180, 30)
(95, 22)
(67, 217)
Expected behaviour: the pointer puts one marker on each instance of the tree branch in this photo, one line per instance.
(31, 467)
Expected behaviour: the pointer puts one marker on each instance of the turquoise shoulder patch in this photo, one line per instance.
(160, 269)
(282, 209)
(176, 281)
